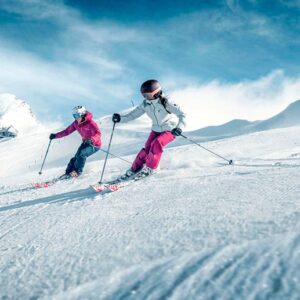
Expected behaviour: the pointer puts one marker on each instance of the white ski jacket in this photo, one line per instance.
(161, 119)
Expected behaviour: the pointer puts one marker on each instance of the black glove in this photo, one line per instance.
(52, 136)
(116, 118)
(176, 131)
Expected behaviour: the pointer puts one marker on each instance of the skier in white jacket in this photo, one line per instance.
(164, 129)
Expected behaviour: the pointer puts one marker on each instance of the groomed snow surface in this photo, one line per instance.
(198, 229)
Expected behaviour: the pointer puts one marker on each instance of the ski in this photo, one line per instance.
(115, 185)
(45, 184)
(107, 187)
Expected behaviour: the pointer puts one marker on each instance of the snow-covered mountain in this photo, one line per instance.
(198, 229)
(17, 113)
(288, 117)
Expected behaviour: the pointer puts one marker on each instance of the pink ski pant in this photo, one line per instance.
(151, 153)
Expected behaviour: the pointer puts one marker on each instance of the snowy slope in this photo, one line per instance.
(252, 270)
(28, 152)
(287, 118)
(199, 229)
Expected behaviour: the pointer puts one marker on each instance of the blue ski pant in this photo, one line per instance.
(77, 162)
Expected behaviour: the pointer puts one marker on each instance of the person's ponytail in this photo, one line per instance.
(164, 101)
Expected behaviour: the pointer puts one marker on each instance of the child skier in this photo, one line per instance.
(91, 139)
(164, 130)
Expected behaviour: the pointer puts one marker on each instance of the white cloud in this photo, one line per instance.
(235, 21)
(216, 103)
(291, 3)
(48, 86)
(38, 10)
(24, 70)
(81, 65)
(233, 5)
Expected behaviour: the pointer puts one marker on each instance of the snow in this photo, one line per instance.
(287, 118)
(198, 229)
(16, 112)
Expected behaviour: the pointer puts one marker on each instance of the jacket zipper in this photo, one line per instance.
(155, 114)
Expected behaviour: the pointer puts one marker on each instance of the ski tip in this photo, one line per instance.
(106, 188)
(114, 187)
(98, 187)
(38, 185)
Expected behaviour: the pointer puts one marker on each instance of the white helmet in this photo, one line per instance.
(78, 111)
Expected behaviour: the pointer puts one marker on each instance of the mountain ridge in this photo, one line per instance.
(17, 113)
(287, 118)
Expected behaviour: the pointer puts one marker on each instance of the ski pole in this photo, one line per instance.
(40, 172)
(230, 161)
(111, 136)
(119, 157)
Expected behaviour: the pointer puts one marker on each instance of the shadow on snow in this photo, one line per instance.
(72, 196)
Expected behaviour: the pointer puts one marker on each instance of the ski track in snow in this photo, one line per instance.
(198, 229)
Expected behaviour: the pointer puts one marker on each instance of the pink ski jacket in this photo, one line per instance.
(88, 130)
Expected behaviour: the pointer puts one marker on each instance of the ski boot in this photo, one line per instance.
(146, 171)
(74, 174)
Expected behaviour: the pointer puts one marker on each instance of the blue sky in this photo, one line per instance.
(57, 54)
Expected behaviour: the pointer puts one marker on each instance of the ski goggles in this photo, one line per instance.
(76, 116)
(153, 95)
